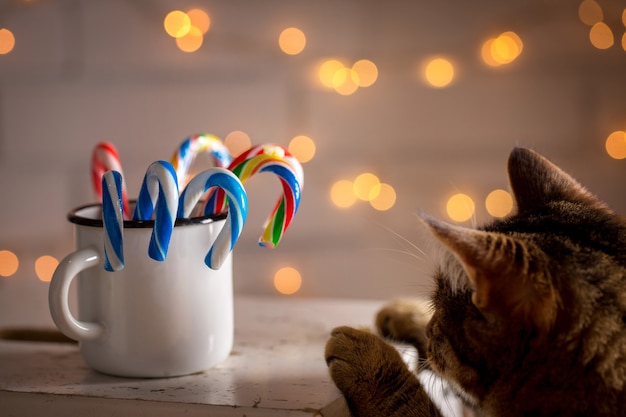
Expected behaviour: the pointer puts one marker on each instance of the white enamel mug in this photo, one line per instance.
(150, 319)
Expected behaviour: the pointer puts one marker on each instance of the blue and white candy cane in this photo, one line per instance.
(237, 209)
(113, 221)
(159, 192)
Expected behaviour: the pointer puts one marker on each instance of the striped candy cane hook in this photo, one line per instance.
(159, 192)
(106, 158)
(190, 148)
(113, 221)
(277, 160)
(237, 209)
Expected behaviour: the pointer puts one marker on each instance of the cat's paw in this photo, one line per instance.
(405, 321)
(360, 363)
(373, 377)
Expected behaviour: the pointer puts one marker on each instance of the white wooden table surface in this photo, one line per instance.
(277, 369)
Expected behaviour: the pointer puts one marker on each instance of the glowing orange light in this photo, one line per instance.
(45, 266)
(590, 12)
(499, 203)
(382, 197)
(346, 81)
(177, 23)
(342, 194)
(506, 47)
(439, 72)
(287, 280)
(200, 19)
(364, 186)
(7, 41)
(190, 42)
(616, 145)
(485, 53)
(501, 50)
(327, 71)
(601, 36)
(8, 263)
(367, 72)
(303, 148)
(292, 41)
(237, 142)
(460, 207)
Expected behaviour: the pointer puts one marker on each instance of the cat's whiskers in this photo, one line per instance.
(408, 248)
(437, 386)
(422, 364)
(406, 243)
(399, 251)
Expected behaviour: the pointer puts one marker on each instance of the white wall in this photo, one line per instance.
(84, 72)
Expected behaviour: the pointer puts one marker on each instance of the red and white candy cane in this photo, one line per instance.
(105, 158)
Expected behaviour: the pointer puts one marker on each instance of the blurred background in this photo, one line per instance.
(391, 106)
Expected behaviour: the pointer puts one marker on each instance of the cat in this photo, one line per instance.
(528, 312)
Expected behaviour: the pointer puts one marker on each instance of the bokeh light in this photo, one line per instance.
(499, 203)
(485, 53)
(303, 148)
(460, 207)
(503, 49)
(45, 266)
(237, 142)
(200, 19)
(287, 280)
(624, 41)
(7, 41)
(382, 197)
(327, 71)
(346, 81)
(367, 72)
(507, 47)
(601, 36)
(292, 41)
(364, 186)
(590, 12)
(177, 23)
(616, 145)
(190, 42)
(342, 194)
(9, 263)
(439, 72)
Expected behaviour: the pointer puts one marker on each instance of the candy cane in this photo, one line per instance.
(183, 157)
(237, 209)
(104, 158)
(273, 149)
(159, 191)
(113, 221)
(287, 205)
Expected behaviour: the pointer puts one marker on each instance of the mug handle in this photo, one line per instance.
(58, 295)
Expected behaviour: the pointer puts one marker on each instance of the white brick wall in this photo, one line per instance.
(83, 72)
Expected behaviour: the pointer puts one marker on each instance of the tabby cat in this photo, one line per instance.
(528, 313)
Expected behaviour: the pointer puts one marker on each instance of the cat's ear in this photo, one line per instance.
(509, 278)
(535, 182)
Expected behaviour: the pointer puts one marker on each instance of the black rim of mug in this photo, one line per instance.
(75, 218)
